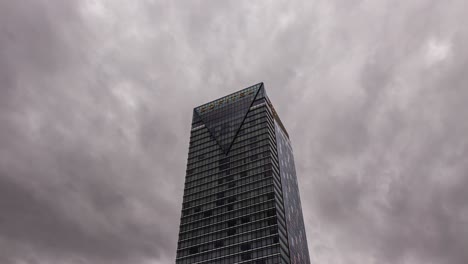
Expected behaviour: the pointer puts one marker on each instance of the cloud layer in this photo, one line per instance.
(95, 110)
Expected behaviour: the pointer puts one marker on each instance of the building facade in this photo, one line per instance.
(241, 199)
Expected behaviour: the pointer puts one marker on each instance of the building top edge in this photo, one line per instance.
(229, 97)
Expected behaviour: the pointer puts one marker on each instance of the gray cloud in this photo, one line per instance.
(95, 110)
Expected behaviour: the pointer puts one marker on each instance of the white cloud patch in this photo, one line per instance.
(437, 50)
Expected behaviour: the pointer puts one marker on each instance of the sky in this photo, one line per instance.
(96, 98)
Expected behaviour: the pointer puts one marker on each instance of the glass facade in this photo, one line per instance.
(241, 202)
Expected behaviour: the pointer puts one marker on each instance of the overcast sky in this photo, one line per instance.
(96, 102)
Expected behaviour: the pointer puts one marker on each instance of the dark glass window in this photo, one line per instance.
(275, 239)
(245, 219)
(246, 256)
(273, 230)
(271, 212)
(258, 101)
(218, 244)
(231, 232)
(231, 223)
(193, 250)
(223, 161)
(243, 174)
(271, 222)
(246, 246)
(220, 195)
(197, 209)
(208, 213)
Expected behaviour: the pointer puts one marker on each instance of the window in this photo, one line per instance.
(258, 101)
(245, 219)
(246, 256)
(231, 223)
(271, 222)
(275, 239)
(220, 195)
(243, 174)
(208, 213)
(224, 166)
(246, 246)
(193, 250)
(219, 202)
(231, 199)
(232, 185)
(219, 244)
(271, 212)
(230, 207)
(197, 209)
(231, 232)
(254, 157)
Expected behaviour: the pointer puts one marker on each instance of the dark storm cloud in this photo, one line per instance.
(74, 184)
(96, 101)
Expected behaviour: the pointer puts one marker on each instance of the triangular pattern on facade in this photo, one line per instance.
(223, 118)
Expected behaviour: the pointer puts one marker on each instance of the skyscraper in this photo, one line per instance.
(241, 199)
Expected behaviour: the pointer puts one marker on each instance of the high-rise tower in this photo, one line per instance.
(241, 198)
